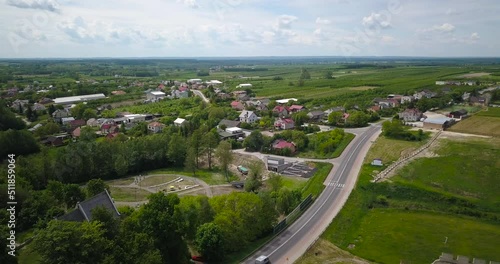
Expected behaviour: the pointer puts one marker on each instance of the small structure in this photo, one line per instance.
(242, 170)
(54, 141)
(59, 114)
(179, 122)
(276, 164)
(459, 114)
(155, 96)
(440, 123)
(156, 127)
(248, 117)
(377, 162)
(83, 211)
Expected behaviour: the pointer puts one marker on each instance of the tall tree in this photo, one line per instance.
(96, 186)
(225, 156)
(254, 141)
(209, 142)
(210, 242)
(176, 150)
(190, 162)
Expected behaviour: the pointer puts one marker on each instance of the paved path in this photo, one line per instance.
(292, 243)
(200, 94)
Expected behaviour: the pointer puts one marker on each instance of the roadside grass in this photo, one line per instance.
(325, 252)
(390, 150)
(335, 154)
(458, 171)
(294, 183)
(392, 236)
(315, 184)
(28, 256)
(477, 124)
(127, 194)
(491, 111)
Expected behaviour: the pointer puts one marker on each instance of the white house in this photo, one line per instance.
(155, 127)
(214, 82)
(155, 95)
(248, 117)
(180, 121)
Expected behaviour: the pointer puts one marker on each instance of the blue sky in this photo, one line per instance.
(192, 28)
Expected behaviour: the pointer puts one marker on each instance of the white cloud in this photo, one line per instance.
(377, 19)
(446, 27)
(49, 5)
(285, 21)
(387, 38)
(190, 3)
(322, 21)
(474, 36)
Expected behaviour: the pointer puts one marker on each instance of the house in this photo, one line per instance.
(45, 100)
(67, 120)
(459, 114)
(137, 118)
(223, 96)
(377, 162)
(280, 144)
(248, 117)
(410, 115)
(154, 96)
(214, 82)
(471, 83)
(296, 108)
(77, 123)
(38, 107)
(407, 99)
(35, 127)
(180, 94)
(281, 110)
(155, 127)
(54, 141)
(109, 128)
(284, 123)
(76, 133)
(229, 123)
(276, 164)
(479, 101)
(92, 122)
(316, 115)
(236, 105)
(180, 122)
(83, 211)
(59, 114)
(386, 103)
(193, 81)
(374, 108)
(17, 104)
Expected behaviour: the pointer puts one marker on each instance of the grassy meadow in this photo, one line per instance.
(479, 124)
(408, 218)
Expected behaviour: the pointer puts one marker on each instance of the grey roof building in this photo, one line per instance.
(83, 211)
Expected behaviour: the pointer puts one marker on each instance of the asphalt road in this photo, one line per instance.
(288, 246)
(200, 94)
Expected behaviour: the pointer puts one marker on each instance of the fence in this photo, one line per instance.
(293, 215)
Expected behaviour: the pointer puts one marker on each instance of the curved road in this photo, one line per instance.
(200, 94)
(292, 243)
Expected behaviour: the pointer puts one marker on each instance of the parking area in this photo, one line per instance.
(299, 169)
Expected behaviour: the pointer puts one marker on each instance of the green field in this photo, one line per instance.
(391, 236)
(477, 124)
(294, 183)
(409, 217)
(125, 194)
(390, 150)
(155, 180)
(315, 184)
(491, 111)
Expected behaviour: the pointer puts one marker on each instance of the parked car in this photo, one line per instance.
(262, 260)
(243, 170)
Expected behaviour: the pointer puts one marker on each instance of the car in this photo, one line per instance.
(198, 258)
(262, 260)
(243, 170)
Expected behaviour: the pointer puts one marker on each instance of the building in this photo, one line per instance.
(284, 123)
(280, 144)
(180, 122)
(38, 107)
(459, 114)
(296, 108)
(156, 127)
(285, 101)
(248, 117)
(155, 96)
(244, 85)
(236, 105)
(410, 115)
(231, 132)
(276, 164)
(479, 101)
(377, 162)
(78, 99)
(316, 115)
(67, 120)
(440, 123)
(229, 123)
(214, 82)
(193, 81)
(83, 211)
(441, 82)
(281, 110)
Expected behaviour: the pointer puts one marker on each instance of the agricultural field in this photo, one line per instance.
(491, 111)
(478, 124)
(408, 218)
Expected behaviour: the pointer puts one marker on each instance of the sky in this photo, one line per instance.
(233, 28)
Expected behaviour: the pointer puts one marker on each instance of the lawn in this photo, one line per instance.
(28, 256)
(210, 177)
(391, 236)
(315, 184)
(294, 183)
(157, 179)
(458, 173)
(127, 194)
(390, 150)
(325, 252)
(491, 111)
(124, 181)
(478, 124)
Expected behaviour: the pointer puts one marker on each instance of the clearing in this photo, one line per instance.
(474, 75)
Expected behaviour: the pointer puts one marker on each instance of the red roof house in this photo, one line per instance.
(237, 105)
(296, 108)
(280, 144)
(284, 123)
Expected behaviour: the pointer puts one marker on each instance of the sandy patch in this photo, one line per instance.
(475, 75)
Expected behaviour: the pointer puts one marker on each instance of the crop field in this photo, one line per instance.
(492, 111)
(478, 124)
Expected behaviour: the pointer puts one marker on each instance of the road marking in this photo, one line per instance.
(336, 185)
